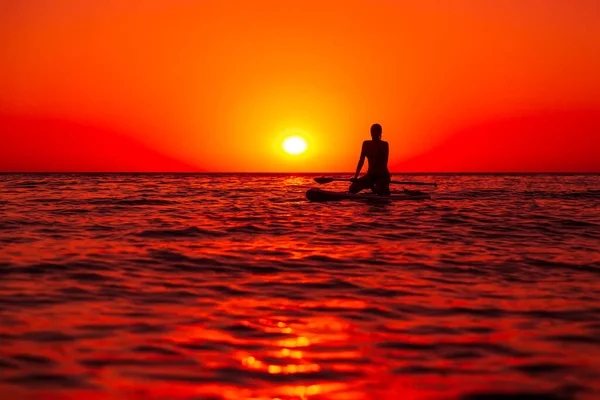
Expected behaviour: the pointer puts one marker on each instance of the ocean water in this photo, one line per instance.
(232, 286)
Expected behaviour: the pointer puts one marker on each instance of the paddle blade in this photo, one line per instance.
(323, 180)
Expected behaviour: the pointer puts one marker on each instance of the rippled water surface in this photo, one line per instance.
(237, 287)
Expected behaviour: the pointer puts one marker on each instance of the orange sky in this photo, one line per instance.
(214, 85)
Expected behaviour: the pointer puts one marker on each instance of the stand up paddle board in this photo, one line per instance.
(326, 195)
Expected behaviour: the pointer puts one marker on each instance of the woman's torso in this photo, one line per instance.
(377, 155)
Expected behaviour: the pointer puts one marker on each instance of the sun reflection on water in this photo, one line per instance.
(295, 355)
(283, 353)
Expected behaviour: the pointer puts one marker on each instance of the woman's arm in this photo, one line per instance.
(387, 153)
(361, 161)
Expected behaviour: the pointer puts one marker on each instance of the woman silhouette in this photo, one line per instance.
(378, 177)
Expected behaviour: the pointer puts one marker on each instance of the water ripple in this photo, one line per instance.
(234, 286)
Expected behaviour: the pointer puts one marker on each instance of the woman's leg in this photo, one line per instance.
(382, 186)
(362, 183)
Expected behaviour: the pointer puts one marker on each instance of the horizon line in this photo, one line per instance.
(292, 173)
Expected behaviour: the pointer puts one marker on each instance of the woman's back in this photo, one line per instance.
(377, 152)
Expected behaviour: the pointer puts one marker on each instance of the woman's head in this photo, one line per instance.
(376, 131)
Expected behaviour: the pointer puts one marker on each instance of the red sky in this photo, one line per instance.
(215, 85)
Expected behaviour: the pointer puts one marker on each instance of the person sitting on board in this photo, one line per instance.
(378, 177)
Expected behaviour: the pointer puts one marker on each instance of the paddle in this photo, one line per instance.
(329, 180)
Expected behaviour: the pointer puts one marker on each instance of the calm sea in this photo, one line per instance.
(124, 286)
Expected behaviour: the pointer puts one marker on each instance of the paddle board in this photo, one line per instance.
(326, 195)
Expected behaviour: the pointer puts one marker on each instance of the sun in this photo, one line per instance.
(294, 145)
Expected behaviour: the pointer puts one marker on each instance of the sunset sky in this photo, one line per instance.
(217, 85)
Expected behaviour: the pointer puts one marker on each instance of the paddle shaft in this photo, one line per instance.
(327, 180)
